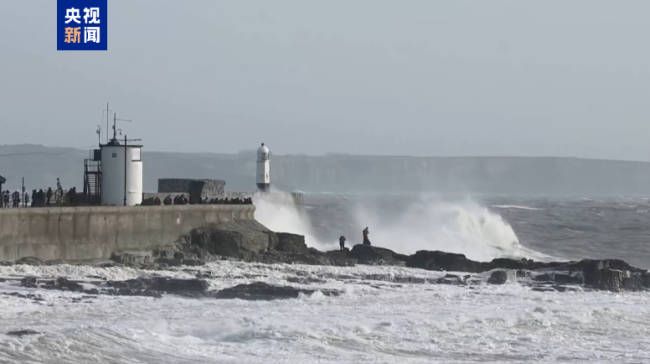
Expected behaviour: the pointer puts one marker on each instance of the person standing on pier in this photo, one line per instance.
(15, 197)
(48, 196)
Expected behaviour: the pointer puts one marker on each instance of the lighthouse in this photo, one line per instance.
(263, 178)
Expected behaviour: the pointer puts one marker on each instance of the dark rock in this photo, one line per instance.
(168, 253)
(106, 264)
(35, 297)
(412, 280)
(131, 259)
(605, 279)
(200, 238)
(138, 292)
(173, 262)
(264, 291)
(31, 261)
(23, 332)
(523, 273)
(193, 262)
(441, 261)
(368, 254)
(545, 277)
(453, 279)
(164, 284)
(276, 257)
(62, 283)
(498, 277)
(174, 285)
(562, 278)
(339, 258)
(291, 243)
(305, 280)
(525, 264)
(29, 282)
(232, 239)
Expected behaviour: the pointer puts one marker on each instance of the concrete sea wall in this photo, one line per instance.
(296, 199)
(91, 233)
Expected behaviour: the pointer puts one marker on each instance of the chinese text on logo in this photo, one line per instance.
(77, 32)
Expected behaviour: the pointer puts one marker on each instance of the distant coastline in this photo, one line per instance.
(340, 173)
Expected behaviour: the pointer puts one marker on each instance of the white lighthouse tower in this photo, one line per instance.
(121, 171)
(263, 178)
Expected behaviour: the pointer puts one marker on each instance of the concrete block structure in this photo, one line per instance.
(194, 189)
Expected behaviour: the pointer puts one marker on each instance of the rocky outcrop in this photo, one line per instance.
(498, 277)
(608, 274)
(23, 332)
(368, 254)
(232, 239)
(263, 291)
(309, 258)
(291, 243)
(156, 285)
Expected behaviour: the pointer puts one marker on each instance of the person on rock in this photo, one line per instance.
(366, 241)
(167, 200)
(342, 242)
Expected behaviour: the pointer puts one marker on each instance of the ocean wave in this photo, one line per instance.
(516, 207)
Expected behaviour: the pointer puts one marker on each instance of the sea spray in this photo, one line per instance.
(463, 227)
(426, 223)
(277, 212)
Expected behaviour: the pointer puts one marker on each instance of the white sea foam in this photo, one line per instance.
(516, 207)
(405, 323)
(372, 321)
(278, 213)
(460, 227)
(463, 227)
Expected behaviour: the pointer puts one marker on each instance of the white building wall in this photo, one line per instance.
(113, 175)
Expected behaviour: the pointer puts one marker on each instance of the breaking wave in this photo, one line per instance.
(463, 227)
(277, 212)
(457, 227)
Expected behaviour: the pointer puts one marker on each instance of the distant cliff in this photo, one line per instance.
(343, 173)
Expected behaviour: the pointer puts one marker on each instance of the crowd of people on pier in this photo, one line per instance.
(59, 197)
(40, 198)
(182, 200)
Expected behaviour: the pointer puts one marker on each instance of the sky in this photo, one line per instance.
(376, 77)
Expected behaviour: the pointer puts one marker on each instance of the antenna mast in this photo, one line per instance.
(115, 119)
(107, 118)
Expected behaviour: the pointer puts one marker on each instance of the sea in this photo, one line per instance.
(378, 318)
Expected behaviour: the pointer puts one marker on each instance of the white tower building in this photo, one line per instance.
(121, 174)
(263, 178)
